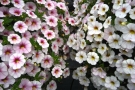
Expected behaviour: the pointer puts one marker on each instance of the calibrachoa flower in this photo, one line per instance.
(80, 56)
(3, 71)
(92, 58)
(52, 85)
(30, 6)
(84, 81)
(51, 21)
(49, 5)
(16, 60)
(1, 47)
(16, 11)
(42, 42)
(1, 25)
(56, 71)
(14, 38)
(20, 27)
(49, 34)
(25, 84)
(5, 2)
(18, 3)
(62, 6)
(36, 85)
(41, 1)
(31, 14)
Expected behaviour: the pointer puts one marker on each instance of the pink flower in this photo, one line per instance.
(36, 85)
(3, 70)
(35, 24)
(62, 6)
(52, 85)
(7, 51)
(49, 34)
(56, 71)
(53, 12)
(65, 49)
(44, 27)
(5, 2)
(34, 71)
(1, 25)
(16, 11)
(14, 38)
(99, 72)
(47, 61)
(18, 3)
(59, 41)
(27, 35)
(49, 5)
(27, 21)
(16, 60)
(25, 84)
(71, 21)
(66, 72)
(23, 47)
(30, 6)
(16, 73)
(4, 11)
(51, 21)
(42, 42)
(20, 27)
(31, 14)
(29, 66)
(55, 47)
(41, 1)
(8, 80)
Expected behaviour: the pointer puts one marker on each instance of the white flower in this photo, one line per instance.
(56, 71)
(102, 48)
(132, 13)
(117, 4)
(128, 66)
(84, 81)
(103, 8)
(3, 71)
(75, 75)
(81, 71)
(82, 44)
(1, 47)
(91, 19)
(71, 41)
(112, 82)
(52, 85)
(92, 58)
(123, 10)
(107, 22)
(99, 37)
(66, 72)
(94, 28)
(1, 25)
(102, 17)
(80, 56)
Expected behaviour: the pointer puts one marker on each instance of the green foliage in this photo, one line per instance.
(39, 14)
(16, 85)
(5, 41)
(59, 25)
(55, 58)
(35, 44)
(37, 77)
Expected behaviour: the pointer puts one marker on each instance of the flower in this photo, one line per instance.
(55, 47)
(128, 66)
(18, 3)
(103, 8)
(92, 58)
(30, 6)
(80, 56)
(20, 27)
(94, 28)
(84, 81)
(44, 27)
(81, 71)
(53, 12)
(107, 22)
(16, 73)
(41, 1)
(16, 11)
(14, 38)
(56, 71)
(25, 84)
(50, 5)
(112, 82)
(49, 34)
(132, 14)
(16, 60)
(62, 6)
(31, 14)
(1, 47)
(52, 85)
(102, 48)
(66, 72)
(51, 21)
(71, 21)
(117, 4)
(99, 72)
(5, 2)
(1, 25)
(3, 71)
(36, 85)
(42, 42)
(47, 61)
(123, 10)
(23, 47)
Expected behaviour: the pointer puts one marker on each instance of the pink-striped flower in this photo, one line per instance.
(49, 5)
(14, 38)
(30, 6)
(3, 70)
(31, 14)
(25, 84)
(56, 71)
(41, 1)
(16, 60)
(49, 34)
(5, 2)
(1, 25)
(20, 27)
(16, 11)
(51, 21)
(42, 42)
(18, 3)
(62, 5)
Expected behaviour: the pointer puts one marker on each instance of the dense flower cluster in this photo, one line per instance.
(32, 45)
(104, 43)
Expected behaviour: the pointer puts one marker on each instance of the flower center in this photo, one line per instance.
(130, 66)
(16, 60)
(132, 32)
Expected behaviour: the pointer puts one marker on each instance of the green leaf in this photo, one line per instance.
(35, 44)
(5, 41)
(15, 86)
(37, 77)
(39, 14)
(55, 58)
(59, 25)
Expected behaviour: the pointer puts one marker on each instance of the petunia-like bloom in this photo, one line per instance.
(1, 47)
(75, 75)
(27, 35)
(99, 72)
(20, 27)
(47, 61)
(16, 60)
(34, 71)
(102, 48)
(4, 11)
(29, 66)
(23, 47)
(51, 21)
(94, 28)
(84, 81)
(117, 4)
(56, 71)
(92, 58)
(14, 38)
(107, 22)
(132, 14)
(35, 24)
(123, 10)
(50, 5)
(52, 85)
(8, 80)
(3, 71)
(42, 42)
(30, 6)
(41, 1)
(7, 51)
(31, 14)
(53, 12)
(25, 84)
(18, 3)
(66, 72)
(38, 56)
(16, 11)
(5, 2)
(59, 41)
(55, 47)
(103, 8)
(1, 25)
(36, 85)
(81, 71)
(49, 34)
(71, 21)
(62, 5)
